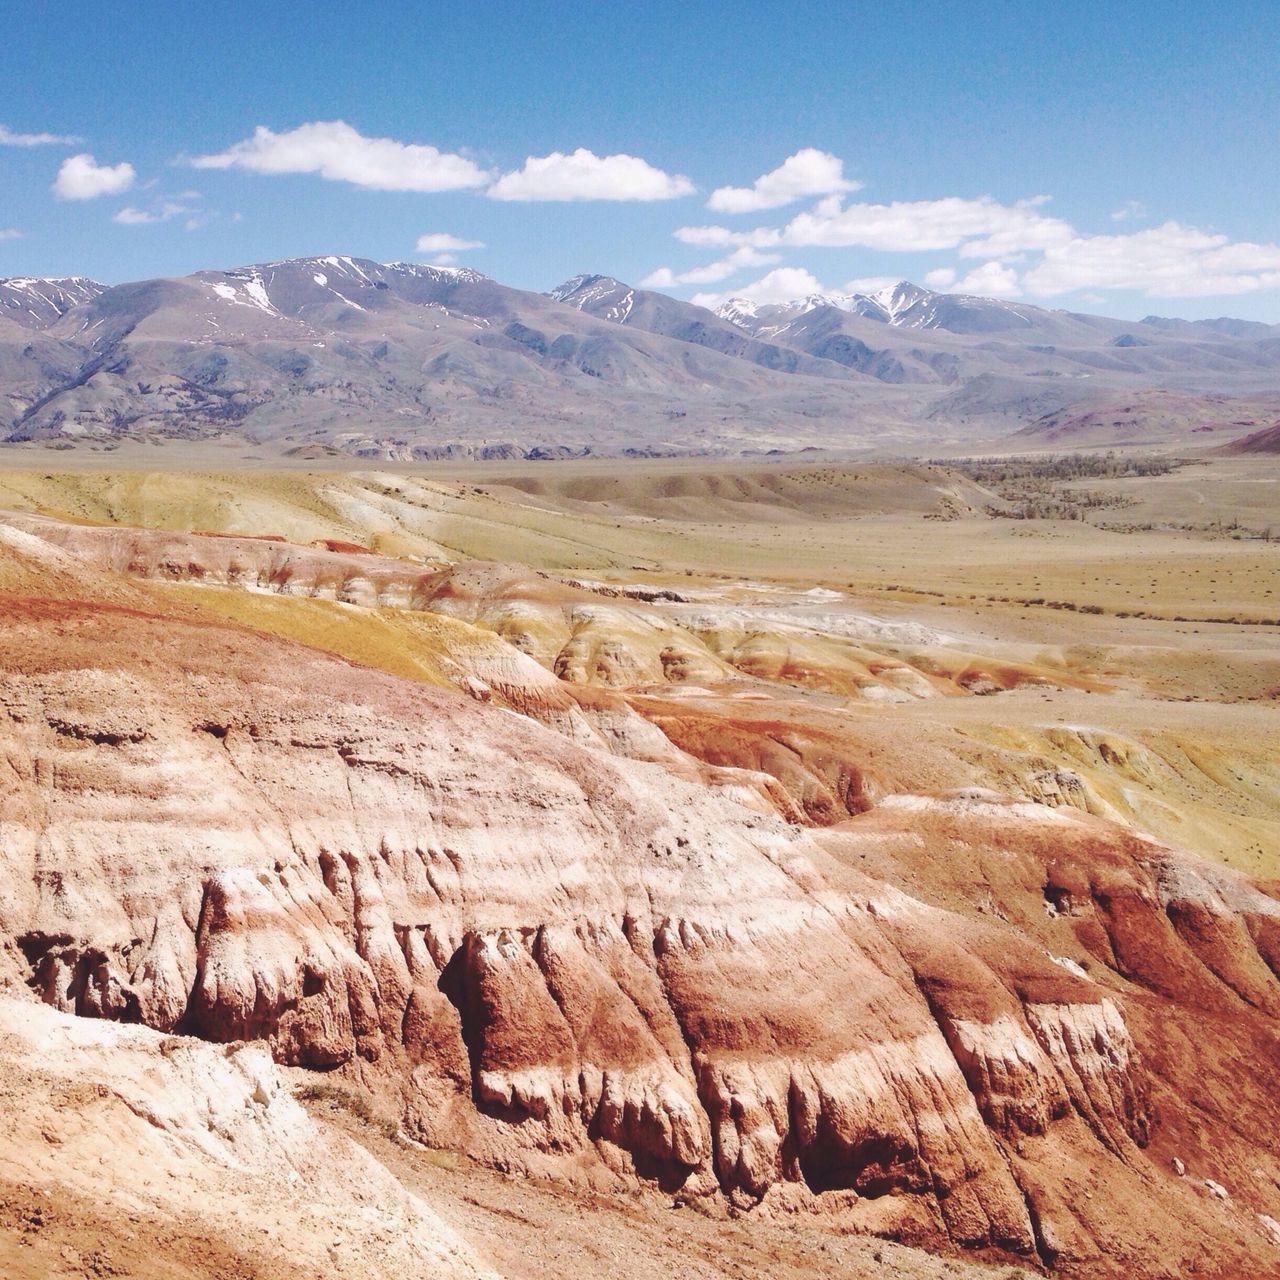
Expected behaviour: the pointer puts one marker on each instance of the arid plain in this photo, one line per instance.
(781, 867)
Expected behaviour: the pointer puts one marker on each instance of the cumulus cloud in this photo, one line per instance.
(809, 172)
(991, 280)
(980, 227)
(340, 153)
(919, 225)
(583, 175)
(1021, 249)
(870, 284)
(1168, 261)
(443, 242)
(81, 177)
(712, 272)
(782, 284)
(9, 138)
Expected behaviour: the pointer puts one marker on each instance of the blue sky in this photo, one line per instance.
(1120, 159)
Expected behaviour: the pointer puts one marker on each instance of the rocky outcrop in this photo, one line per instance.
(600, 970)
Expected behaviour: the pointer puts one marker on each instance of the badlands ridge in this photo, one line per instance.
(792, 907)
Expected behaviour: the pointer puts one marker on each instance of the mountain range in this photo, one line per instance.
(403, 360)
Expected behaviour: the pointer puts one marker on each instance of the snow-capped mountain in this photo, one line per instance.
(395, 360)
(36, 302)
(610, 299)
(903, 305)
(601, 296)
(404, 359)
(287, 287)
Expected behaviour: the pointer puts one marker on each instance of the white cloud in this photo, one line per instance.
(982, 227)
(334, 150)
(659, 278)
(809, 172)
(719, 237)
(81, 177)
(444, 260)
(991, 280)
(131, 216)
(583, 175)
(8, 138)
(870, 284)
(712, 272)
(782, 284)
(1168, 261)
(10, 233)
(1021, 248)
(919, 225)
(443, 242)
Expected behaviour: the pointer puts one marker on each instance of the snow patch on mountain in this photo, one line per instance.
(36, 302)
(244, 287)
(588, 292)
(903, 306)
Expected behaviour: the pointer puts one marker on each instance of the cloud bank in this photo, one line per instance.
(1016, 249)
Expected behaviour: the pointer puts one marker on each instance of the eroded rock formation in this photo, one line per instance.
(951, 1019)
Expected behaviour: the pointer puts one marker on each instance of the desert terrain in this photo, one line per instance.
(710, 867)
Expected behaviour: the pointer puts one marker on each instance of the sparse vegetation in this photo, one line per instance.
(355, 1102)
(1064, 467)
(1043, 488)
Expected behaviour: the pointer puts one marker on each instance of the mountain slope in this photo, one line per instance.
(1265, 441)
(1013, 360)
(389, 358)
(610, 299)
(402, 360)
(36, 303)
(908, 306)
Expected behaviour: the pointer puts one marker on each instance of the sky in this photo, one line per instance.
(1119, 159)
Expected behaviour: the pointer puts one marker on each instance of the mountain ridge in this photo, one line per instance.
(404, 360)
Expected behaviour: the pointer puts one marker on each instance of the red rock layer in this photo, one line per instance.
(953, 1020)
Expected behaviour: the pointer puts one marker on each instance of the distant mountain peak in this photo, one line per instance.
(603, 296)
(437, 271)
(899, 298)
(902, 305)
(587, 280)
(894, 304)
